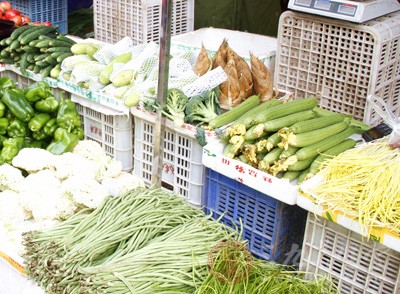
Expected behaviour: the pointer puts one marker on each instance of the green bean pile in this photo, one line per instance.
(141, 242)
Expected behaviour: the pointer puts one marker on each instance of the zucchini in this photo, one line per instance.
(247, 118)
(255, 132)
(311, 137)
(291, 175)
(304, 175)
(323, 145)
(331, 152)
(301, 164)
(269, 159)
(34, 35)
(284, 109)
(235, 112)
(288, 120)
(316, 123)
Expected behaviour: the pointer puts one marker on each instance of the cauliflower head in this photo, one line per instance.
(33, 159)
(10, 177)
(41, 194)
(89, 149)
(108, 167)
(84, 191)
(122, 183)
(11, 211)
(70, 164)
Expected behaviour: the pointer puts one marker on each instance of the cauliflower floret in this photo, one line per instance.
(11, 211)
(89, 149)
(69, 164)
(108, 167)
(10, 177)
(33, 159)
(84, 191)
(41, 194)
(122, 183)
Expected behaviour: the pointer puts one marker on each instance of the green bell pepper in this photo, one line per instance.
(39, 135)
(17, 128)
(79, 132)
(48, 105)
(11, 147)
(5, 83)
(50, 127)
(2, 139)
(67, 115)
(32, 143)
(3, 125)
(9, 115)
(3, 109)
(38, 91)
(16, 102)
(63, 141)
(38, 121)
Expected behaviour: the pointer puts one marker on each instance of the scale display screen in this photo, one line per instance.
(351, 10)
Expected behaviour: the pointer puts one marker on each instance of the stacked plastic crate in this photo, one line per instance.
(140, 20)
(341, 63)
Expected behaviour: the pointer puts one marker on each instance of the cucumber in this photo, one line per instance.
(23, 63)
(63, 56)
(43, 43)
(6, 60)
(34, 42)
(3, 42)
(50, 60)
(25, 33)
(59, 49)
(45, 72)
(41, 57)
(66, 39)
(15, 44)
(36, 69)
(42, 63)
(59, 43)
(15, 34)
(5, 52)
(34, 35)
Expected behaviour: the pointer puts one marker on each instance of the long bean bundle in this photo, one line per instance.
(119, 226)
(364, 182)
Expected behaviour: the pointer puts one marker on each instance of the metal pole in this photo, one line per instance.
(162, 89)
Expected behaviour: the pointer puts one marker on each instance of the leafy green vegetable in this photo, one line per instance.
(203, 107)
(174, 107)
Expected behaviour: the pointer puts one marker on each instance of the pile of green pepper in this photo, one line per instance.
(33, 117)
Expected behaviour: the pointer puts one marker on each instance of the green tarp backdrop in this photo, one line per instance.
(253, 16)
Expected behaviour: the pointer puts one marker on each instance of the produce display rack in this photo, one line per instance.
(140, 20)
(273, 228)
(54, 11)
(355, 264)
(340, 62)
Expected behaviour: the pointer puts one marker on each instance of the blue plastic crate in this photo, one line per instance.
(273, 229)
(54, 11)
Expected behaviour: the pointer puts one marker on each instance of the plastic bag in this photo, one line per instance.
(388, 117)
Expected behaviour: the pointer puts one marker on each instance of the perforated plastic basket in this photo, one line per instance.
(355, 264)
(274, 229)
(113, 132)
(140, 20)
(54, 11)
(340, 62)
(182, 169)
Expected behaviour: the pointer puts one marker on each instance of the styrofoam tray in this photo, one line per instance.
(279, 189)
(308, 202)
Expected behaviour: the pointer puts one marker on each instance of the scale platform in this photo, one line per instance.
(358, 11)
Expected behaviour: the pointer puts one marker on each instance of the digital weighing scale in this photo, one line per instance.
(357, 11)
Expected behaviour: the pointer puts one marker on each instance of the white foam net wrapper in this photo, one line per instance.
(108, 52)
(206, 82)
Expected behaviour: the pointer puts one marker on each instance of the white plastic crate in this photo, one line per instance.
(355, 264)
(113, 132)
(340, 62)
(182, 170)
(242, 43)
(140, 20)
